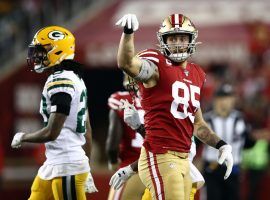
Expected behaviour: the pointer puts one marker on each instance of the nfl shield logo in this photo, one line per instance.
(186, 72)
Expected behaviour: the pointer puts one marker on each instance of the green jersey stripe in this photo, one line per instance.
(59, 79)
(44, 110)
(60, 85)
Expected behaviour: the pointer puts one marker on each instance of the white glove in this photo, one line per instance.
(121, 176)
(17, 140)
(131, 115)
(225, 154)
(130, 21)
(89, 186)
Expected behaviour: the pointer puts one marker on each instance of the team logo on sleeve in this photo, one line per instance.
(56, 35)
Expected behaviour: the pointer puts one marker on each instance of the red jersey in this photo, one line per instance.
(131, 141)
(170, 106)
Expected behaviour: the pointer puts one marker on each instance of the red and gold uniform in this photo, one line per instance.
(169, 107)
(130, 148)
(131, 142)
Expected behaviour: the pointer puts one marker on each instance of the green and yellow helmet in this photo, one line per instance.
(49, 47)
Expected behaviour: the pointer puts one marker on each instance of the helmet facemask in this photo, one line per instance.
(38, 57)
(175, 51)
(131, 85)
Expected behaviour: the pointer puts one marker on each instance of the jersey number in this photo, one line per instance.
(81, 116)
(183, 101)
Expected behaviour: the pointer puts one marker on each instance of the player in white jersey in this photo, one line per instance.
(131, 117)
(67, 131)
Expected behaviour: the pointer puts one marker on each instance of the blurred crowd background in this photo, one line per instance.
(235, 49)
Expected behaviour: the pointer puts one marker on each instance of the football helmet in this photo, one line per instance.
(130, 84)
(177, 24)
(49, 47)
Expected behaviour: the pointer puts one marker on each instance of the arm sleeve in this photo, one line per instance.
(61, 103)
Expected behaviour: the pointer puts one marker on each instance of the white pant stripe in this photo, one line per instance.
(155, 176)
(117, 193)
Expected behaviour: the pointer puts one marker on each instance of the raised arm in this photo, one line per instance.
(142, 70)
(126, 58)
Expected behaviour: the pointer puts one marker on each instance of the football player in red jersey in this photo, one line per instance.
(170, 88)
(123, 144)
(132, 119)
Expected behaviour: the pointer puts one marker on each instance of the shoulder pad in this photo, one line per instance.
(60, 83)
(150, 54)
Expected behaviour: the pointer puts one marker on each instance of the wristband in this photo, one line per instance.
(220, 144)
(128, 30)
(141, 129)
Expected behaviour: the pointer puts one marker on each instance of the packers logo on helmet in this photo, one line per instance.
(177, 24)
(50, 46)
(56, 35)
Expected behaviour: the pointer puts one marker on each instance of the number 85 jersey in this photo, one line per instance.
(170, 106)
(67, 147)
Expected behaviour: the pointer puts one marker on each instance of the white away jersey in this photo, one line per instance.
(67, 148)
